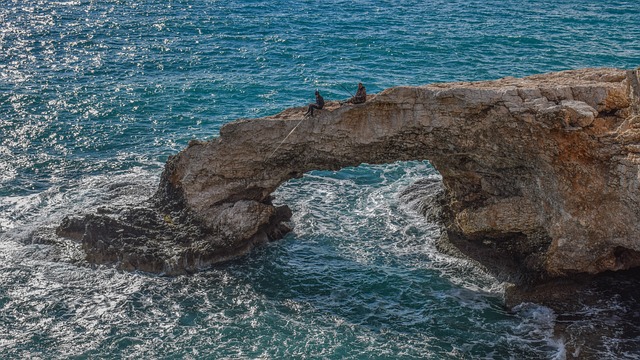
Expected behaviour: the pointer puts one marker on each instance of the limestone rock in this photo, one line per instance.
(542, 172)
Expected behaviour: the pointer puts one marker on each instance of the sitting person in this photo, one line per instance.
(360, 96)
(318, 105)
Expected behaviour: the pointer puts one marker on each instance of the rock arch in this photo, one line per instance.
(541, 172)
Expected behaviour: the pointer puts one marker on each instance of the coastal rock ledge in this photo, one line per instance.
(540, 175)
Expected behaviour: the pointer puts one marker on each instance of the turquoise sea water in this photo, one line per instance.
(95, 95)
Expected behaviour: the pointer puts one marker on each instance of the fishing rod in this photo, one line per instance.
(283, 140)
(347, 90)
(295, 127)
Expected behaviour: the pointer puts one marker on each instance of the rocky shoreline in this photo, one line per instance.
(539, 177)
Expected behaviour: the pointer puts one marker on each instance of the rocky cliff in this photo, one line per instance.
(539, 174)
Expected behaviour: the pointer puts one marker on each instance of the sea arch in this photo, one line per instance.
(527, 167)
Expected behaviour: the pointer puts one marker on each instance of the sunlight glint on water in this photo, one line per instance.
(94, 96)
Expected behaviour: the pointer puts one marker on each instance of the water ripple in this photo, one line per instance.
(95, 95)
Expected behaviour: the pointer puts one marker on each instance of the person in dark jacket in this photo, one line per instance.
(360, 96)
(318, 105)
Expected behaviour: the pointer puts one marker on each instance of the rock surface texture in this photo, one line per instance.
(539, 174)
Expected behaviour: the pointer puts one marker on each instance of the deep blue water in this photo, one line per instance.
(95, 95)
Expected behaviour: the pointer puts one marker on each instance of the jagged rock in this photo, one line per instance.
(540, 173)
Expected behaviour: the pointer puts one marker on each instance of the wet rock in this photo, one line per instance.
(594, 314)
(427, 197)
(72, 227)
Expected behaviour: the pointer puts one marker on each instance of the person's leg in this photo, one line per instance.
(311, 108)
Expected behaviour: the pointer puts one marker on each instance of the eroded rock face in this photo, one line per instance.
(541, 172)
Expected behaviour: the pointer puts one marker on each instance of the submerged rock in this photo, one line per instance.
(539, 176)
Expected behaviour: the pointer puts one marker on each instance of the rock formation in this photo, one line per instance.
(539, 174)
